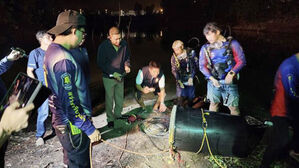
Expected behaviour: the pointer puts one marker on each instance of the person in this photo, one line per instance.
(284, 112)
(65, 78)
(35, 70)
(220, 61)
(114, 61)
(13, 120)
(5, 64)
(81, 56)
(183, 67)
(151, 80)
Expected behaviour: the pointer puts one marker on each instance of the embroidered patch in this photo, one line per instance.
(66, 81)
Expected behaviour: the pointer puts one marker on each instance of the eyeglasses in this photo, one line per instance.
(83, 32)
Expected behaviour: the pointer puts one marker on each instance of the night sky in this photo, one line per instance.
(108, 4)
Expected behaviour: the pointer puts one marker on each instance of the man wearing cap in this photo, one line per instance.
(65, 78)
(114, 61)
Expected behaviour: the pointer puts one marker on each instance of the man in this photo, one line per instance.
(35, 70)
(183, 69)
(81, 56)
(151, 79)
(220, 61)
(284, 112)
(66, 80)
(114, 61)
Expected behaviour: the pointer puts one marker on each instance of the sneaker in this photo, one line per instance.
(294, 155)
(39, 141)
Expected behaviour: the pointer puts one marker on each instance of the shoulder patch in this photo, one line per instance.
(66, 81)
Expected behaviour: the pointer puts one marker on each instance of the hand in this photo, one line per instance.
(190, 81)
(146, 90)
(14, 55)
(181, 84)
(152, 89)
(127, 69)
(95, 136)
(215, 82)
(117, 76)
(14, 119)
(229, 77)
(162, 107)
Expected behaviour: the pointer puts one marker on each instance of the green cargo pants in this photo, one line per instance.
(114, 91)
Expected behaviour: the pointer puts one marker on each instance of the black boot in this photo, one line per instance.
(190, 103)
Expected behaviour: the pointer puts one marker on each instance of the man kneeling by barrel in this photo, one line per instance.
(151, 79)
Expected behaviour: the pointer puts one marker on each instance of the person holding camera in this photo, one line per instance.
(220, 61)
(5, 64)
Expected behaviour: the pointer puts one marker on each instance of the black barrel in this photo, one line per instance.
(228, 135)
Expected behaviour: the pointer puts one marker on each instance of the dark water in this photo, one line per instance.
(264, 53)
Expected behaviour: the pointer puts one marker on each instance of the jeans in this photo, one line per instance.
(227, 93)
(43, 112)
(188, 91)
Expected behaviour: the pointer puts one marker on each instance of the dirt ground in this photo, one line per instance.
(143, 150)
(22, 152)
(151, 152)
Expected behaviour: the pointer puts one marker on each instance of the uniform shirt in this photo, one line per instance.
(67, 82)
(216, 56)
(36, 61)
(286, 98)
(81, 56)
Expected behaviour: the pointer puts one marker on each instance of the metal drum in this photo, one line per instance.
(228, 135)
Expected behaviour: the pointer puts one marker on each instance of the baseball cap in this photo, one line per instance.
(67, 19)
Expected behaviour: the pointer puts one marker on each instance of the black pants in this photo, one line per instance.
(77, 148)
(278, 145)
(2, 153)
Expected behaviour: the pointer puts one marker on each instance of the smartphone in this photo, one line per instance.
(25, 90)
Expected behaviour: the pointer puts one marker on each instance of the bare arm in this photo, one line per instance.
(30, 72)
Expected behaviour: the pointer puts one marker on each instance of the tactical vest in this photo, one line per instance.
(148, 80)
(185, 66)
(222, 60)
